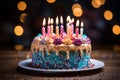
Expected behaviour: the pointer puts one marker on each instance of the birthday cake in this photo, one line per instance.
(64, 50)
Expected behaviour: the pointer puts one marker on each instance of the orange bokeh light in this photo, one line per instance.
(96, 3)
(51, 1)
(18, 47)
(102, 2)
(21, 5)
(108, 15)
(18, 30)
(76, 6)
(116, 29)
(77, 12)
(22, 17)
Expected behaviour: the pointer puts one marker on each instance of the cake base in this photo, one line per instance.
(25, 65)
(76, 60)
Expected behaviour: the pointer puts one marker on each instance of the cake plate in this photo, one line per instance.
(24, 64)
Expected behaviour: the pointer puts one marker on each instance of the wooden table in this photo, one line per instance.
(9, 69)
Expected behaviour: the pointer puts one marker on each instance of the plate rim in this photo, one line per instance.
(21, 65)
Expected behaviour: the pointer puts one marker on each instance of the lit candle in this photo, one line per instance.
(57, 27)
(51, 27)
(67, 24)
(68, 18)
(48, 28)
(72, 26)
(81, 29)
(77, 30)
(61, 27)
(43, 28)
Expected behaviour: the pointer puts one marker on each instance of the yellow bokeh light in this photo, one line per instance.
(22, 17)
(116, 29)
(51, 1)
(77, 12)
(21, 5)
(19, 47)
(96, 3)
(76, 6)
(108, 15)
(18, 30)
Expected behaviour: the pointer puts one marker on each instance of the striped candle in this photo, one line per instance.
(77, 30)
(51, 27)
(72, 26)
(57, 27)
(61, 27)
(61, 30)
(43, 28)
(48, 27)
(68, 26)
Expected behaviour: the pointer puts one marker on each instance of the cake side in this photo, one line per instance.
(61, 53)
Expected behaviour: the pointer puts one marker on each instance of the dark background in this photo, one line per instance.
(96, 27)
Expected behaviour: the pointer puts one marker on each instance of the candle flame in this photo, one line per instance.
(61, 20)
(51, 21)
(57, 21)
(44, 22)
(68, 18)
(77, 23)
(82, 24)
(72, 21)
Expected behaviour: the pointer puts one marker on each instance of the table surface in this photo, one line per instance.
(9, 69)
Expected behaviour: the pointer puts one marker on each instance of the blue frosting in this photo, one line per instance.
(53, 61)
(84, 36)
(39, 35)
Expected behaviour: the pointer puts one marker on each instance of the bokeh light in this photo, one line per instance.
(116, 47)
(108, 15)
(77, 10)
(18, 47)
(21, 5)
(96, 3)
(22, 17)
(116, 29)
(18, 30)
(76, 6)
(51, 1)
(102, 2)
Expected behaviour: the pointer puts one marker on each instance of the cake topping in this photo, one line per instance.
(67, 41)
(77, 42)
(61, 40)
(57, 41)
(49, 40)
(86, 40)
(43, 41)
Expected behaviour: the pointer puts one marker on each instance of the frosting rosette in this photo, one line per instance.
(57, 41)
(49, 40)
(67, 41)
(77, 42)
(43, 41)
(86, 40)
